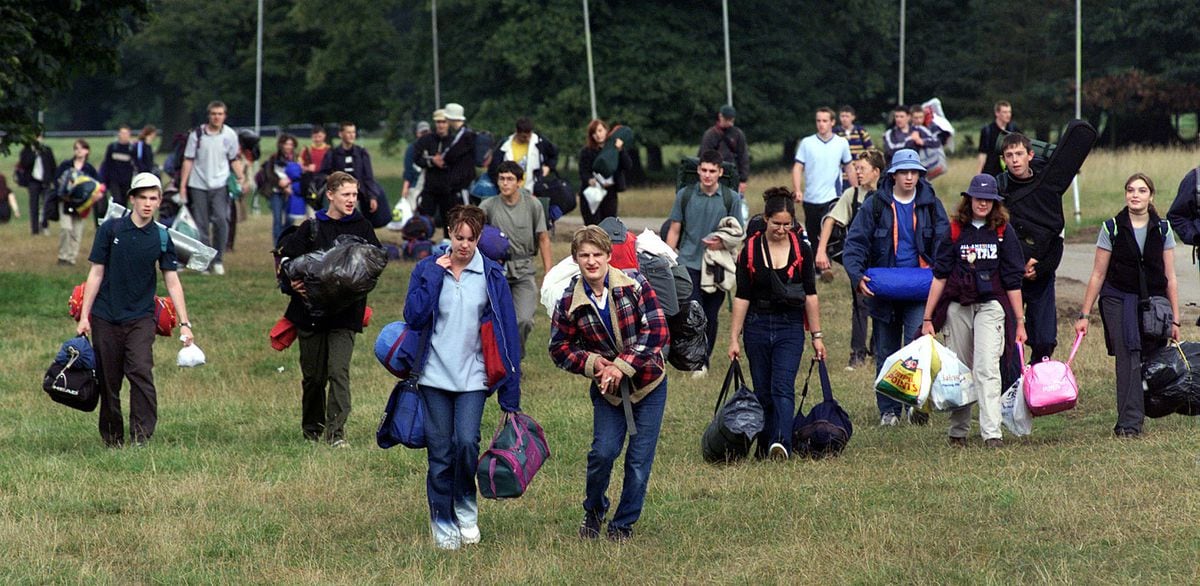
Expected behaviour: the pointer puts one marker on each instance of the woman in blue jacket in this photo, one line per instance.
(899, 225)
(462, 301)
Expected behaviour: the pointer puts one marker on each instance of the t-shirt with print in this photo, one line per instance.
(822, 160)
(211, 154)
(704, 213)
(522, 222)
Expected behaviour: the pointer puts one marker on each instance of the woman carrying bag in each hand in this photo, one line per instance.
(1134, 267)
(472, 350)
(776, 302)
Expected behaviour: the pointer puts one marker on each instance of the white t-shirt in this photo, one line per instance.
(822, 160)
(211, 157)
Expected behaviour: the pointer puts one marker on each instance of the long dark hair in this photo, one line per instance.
(778, 199)
(283, 139)
(995, 218)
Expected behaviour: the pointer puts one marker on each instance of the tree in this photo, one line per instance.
(47, 43)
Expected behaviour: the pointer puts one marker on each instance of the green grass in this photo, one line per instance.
(229, 492)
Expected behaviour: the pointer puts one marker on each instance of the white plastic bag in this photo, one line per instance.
(189, 356)
(952, 387)
(556, 281)
(1014, 413)
(185, 224)
(907, 374)
(593, 195)
(401, 214)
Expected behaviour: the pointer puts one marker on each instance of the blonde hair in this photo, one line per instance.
(594, 235)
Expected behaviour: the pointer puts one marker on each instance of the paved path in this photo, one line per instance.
(1073, 272)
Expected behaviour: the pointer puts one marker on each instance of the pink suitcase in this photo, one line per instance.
(1050, 385)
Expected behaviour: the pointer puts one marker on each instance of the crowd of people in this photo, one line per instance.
(992, 265)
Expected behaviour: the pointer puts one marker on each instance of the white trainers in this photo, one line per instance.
(470, 535)
(777, 452)
(889, 420)
(703, 372)
(218, 268)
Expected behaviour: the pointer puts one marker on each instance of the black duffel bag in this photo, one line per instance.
(735, 423)
(71, 379)
(557, 190)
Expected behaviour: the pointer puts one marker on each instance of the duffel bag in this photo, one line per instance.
(403, 419)
(71, 379)
(509, 464)
(557, 190)
(735, 423)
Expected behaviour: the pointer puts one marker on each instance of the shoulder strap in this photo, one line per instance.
(955, 231)
(312, 232)
(163, 238)
(687, 197)
(751, 247)
(727, 195)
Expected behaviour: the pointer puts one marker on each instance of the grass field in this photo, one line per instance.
(229, 492)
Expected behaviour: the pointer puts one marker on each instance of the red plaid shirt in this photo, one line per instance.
(578, 337)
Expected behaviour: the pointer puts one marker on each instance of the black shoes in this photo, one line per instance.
(590, 529)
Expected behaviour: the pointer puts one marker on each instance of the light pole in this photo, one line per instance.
(1078, 92)
(900, 88)
(587, 37)
(728, 70)
(258, 58)
(437, 84)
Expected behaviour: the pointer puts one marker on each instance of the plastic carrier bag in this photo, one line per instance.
(952, 387)
(908, 373)
(340, 276)
(1014, 413)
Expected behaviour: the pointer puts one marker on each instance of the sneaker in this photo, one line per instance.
(619, 534)
(958, 442)
(590, 529)
(917, 417)
(889, 420)
(703, 372)
(339, 443)
(778, 452)
(1126, 433)
(218, 268)
(470, 535)
(993, 442)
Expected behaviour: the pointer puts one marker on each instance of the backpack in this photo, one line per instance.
(752, 249)
(727, 197)
(493, 243)
(483, 147)
(837, 237)
(827, 428)
(418, 227)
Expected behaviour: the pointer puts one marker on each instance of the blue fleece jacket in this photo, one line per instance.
(500, 341)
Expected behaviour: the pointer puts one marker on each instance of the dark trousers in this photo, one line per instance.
(608, 434)
(711, 302)
(1131, 408)
(325, 359)
(1041, 317)
(452, 437)
(37, 208)
(903, 327)
(436, 203)
(813, 214)
(858, 323)
(774, 345)
(126, 351)
(606, 209)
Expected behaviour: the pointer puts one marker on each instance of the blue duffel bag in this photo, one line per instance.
(900, 283)
(396, 348)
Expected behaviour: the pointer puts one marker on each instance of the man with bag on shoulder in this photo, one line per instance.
(327, 341)
(118, 310)
(536, 156)
(901, 224)
(609, 328)
(1134, 277)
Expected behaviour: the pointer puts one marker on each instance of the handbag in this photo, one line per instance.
(1154, 311)
(403, 420)
(71, 379)
(1050, 385)
(735, 423)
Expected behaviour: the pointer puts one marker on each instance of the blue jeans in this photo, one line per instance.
(711, 302)
(452, 434)
(279, 216)
(903, 327)
(608, 434)
(1041, 317)
(774, 344)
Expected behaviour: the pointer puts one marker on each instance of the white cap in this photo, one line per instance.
(142, 180)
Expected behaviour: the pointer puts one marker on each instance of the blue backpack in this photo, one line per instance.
(826, 429)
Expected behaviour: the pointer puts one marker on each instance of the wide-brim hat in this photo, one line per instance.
(439, 115)
(455, 112)
(983, 186)
(906, 160)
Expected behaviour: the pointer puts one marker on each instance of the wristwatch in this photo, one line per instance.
(817, 335)
(1082, 315)
(186, 324)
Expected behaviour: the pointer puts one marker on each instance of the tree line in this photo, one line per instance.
(659, 65)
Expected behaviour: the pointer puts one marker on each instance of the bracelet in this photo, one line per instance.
(1082, 315)
(1021, 319)
(817, 335)
(1175, 323)
(186, 324)
(928, 319)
